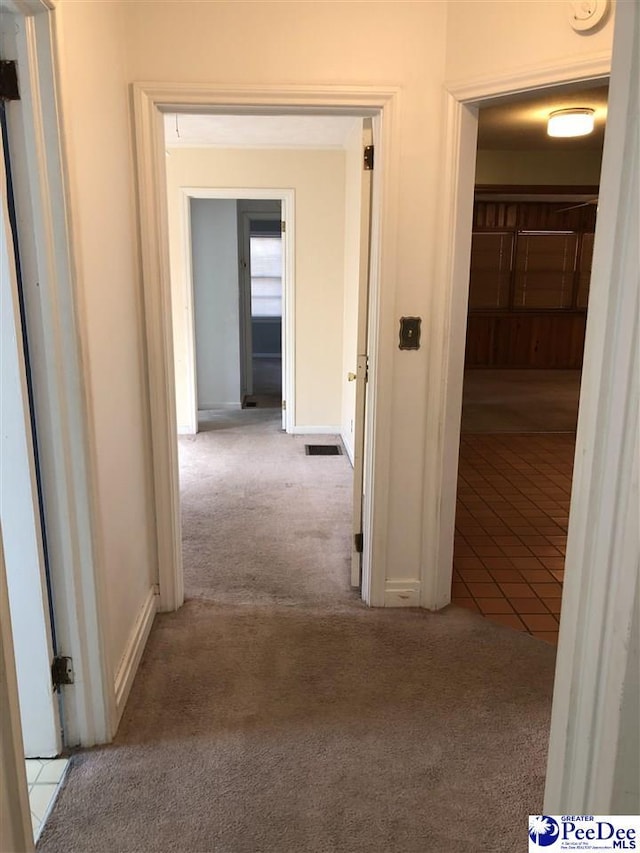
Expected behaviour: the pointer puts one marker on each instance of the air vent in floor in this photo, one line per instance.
(323, 450)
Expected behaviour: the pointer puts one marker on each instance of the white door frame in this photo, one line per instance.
(598, 598)
(150, 101)
(66, 452)
(449, 311)
(287, 199)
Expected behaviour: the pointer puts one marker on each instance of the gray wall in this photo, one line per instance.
(266, 336)
(214, 241)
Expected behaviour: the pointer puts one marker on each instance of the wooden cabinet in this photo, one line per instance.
(529, 284)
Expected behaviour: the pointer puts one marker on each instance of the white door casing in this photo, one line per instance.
(20, 512)
(150, 101)
(447, 328)
(66, 453)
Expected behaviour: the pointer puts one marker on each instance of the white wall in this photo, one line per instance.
(538, 167)
(318, 180)
(352, 211)
(214, 240)
(489, 37)
(413, 46)
(97, 129)
(397, 44)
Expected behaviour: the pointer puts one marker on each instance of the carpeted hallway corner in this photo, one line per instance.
(274, 712)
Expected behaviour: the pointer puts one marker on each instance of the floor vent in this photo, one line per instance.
(323, 450)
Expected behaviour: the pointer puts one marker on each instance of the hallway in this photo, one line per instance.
(274, 712)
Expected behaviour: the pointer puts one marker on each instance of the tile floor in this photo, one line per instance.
(511, 528)
(44, 776)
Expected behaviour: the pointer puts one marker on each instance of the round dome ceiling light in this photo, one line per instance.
(571, 122)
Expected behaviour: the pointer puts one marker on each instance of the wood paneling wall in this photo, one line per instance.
(526, 340)
(529, 284)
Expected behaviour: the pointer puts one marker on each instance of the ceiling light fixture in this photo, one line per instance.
(571, 122)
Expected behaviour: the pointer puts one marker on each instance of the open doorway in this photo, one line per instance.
(534, 220)
(152, 104)
(237, 285)
(271, 270)
(261, 262)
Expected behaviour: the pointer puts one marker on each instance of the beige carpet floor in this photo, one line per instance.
(274, 713)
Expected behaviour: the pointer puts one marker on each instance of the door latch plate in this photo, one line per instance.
(61, 672)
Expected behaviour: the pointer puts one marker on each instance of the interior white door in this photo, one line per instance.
(20, 510)
(359, 484)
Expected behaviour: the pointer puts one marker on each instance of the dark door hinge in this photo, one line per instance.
(9, 90)
(368, 158)
(61, 672)
(283, 227)
(358, 543)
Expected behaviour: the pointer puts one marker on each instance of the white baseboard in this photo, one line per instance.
(214, 407)
(348, 447)
(185, 430)
(402, 593)
(315, 430)
(133, 652)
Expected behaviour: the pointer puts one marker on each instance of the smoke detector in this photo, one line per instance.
(586, 15)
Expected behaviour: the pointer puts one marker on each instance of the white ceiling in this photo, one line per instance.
(251, 131)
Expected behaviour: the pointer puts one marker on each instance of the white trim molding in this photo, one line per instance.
(67, 457)
(216, 407)
(149, 102)
(449, 309)
(348, 448)
(595, 66)
(315, 430)
(133, 651)
(402, 592)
